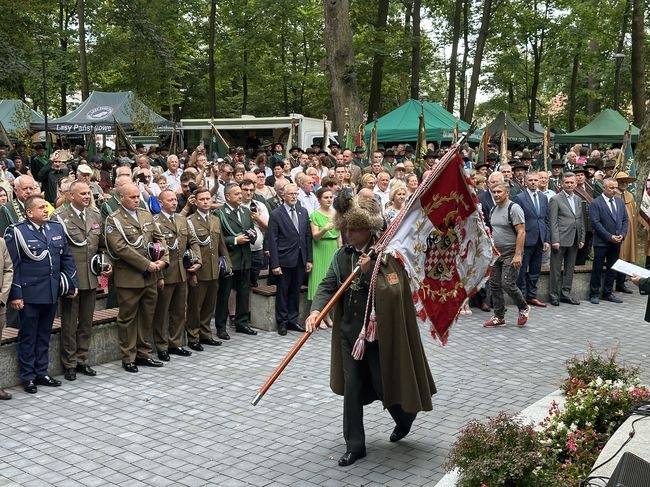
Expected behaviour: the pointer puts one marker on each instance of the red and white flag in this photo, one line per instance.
(444, 245)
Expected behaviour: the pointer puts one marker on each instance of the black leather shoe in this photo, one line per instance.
(554, 302)
(86, 370)
(624, 290)
(180, 351)
(148, 362)
(397, 434)
(223, 335)
(130, 367)
(569, 300)
(196, 346)
(349, 457)
(296, 327)
(210, 341)
(247, 330)
(70, 374)
(282, 330)
(48, 381)
(30, 387)
(164, 356)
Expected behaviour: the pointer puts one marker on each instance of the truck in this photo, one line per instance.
(250, 132)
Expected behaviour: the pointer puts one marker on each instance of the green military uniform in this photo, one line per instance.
(10, 213)
(84, 238)
(233, 223)
(127, 239)
(38, 162)
(202, 298)
(172, 298)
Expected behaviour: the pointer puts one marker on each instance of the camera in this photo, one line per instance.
(253, 207)
(142, 177)
(192, 187)
(251, 233)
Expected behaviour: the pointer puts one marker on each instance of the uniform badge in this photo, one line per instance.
(94, 226)
(392, 278)
(56, 237)
(109, 229)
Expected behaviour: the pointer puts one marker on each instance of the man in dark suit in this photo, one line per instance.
(289, 241)
(610, 223)
(39, 253)
(535, 206)
(567, 236)
(235, 221)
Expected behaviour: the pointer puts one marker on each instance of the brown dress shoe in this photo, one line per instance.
(4, 395)
(536, 302)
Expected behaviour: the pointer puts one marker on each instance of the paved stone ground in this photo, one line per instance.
(191, 422)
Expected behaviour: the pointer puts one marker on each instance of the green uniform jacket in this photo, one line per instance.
(405, 374)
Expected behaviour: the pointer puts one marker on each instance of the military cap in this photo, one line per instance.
(359, 150)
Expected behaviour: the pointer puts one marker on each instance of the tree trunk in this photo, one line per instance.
(403, 80)
(83, 63)
(573, 88)
(374, 101)
(593, 80)
(453, 59)
(463, 70)
(212, 89)
(415, 51)
(244, 84)
(337, 38)
(638, 63)
(63, 43)
(478, 59)
(283, 62)
(538, 54)
(619, 59)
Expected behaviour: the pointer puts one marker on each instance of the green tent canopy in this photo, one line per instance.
(401, 125)
(101, 109)
(607, 128)
(17, 116)
(516, 134)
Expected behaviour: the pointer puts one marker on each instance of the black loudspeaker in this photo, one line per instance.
(631, 471)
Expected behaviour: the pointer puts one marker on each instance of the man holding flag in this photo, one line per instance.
(394, 368)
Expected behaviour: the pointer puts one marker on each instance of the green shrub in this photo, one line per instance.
(587, 368)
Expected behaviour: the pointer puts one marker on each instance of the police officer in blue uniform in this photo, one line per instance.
(39, 253)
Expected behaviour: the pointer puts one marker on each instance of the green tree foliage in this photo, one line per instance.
(270, 56)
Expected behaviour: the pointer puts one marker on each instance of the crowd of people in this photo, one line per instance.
(182, 238)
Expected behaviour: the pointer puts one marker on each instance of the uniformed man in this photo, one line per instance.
(14, 210)
(131, 238)
(169, 319)
(39, 159)
(83, 229)
(235, 220)
(204, 284)
(393, 368)
(39, 253)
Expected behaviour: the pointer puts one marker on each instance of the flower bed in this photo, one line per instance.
(561, 451)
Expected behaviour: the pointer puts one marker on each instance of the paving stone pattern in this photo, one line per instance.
(191, 422)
